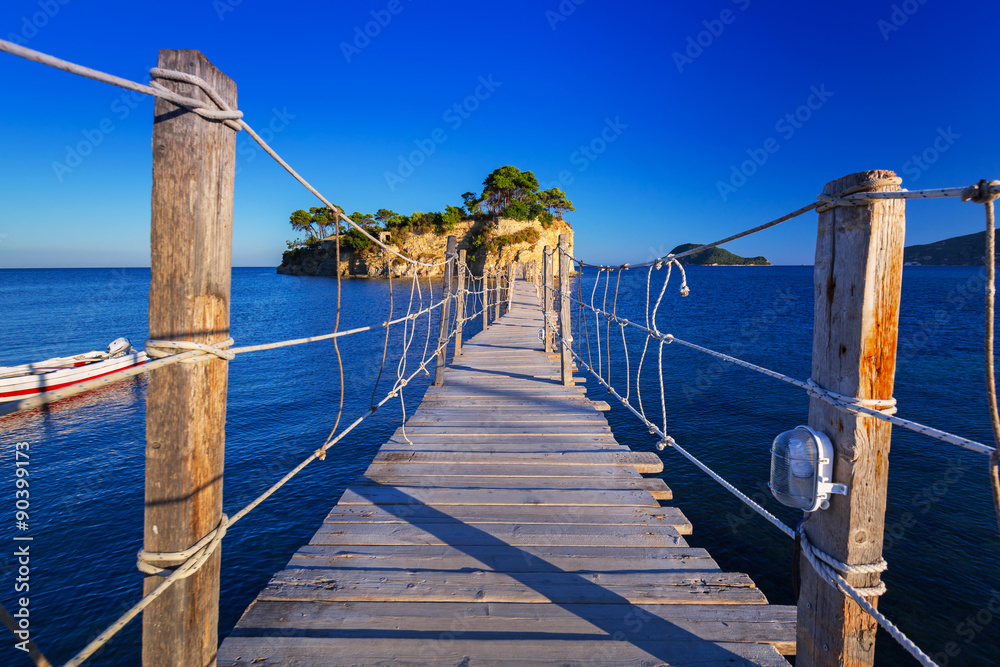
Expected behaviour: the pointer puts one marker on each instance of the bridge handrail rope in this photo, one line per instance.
(186, 563)
(231, 117)
(827, 567)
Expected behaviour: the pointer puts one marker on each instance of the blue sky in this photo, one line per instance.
(641, 109)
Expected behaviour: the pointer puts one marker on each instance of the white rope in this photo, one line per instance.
(854, 406)
(834, 579)
(157, 349)
(193, 558)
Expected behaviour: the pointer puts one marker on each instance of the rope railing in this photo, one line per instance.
(198, 554)
(830, 569)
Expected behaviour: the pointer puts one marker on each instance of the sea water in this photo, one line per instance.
(86, 453)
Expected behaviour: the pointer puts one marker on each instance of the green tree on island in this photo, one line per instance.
(507, 192)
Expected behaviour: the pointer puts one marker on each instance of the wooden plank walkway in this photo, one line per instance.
(507, 526)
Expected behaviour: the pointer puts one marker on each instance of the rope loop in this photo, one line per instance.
(829, 565)
(165, 563)
(982, 192)
(886, 406)
(157, 349)
(665, 442)
(224, 113)
(844, 199)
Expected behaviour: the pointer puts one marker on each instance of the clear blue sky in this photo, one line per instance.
(887, 81)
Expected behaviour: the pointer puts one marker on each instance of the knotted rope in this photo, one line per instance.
(165, 563)
(886, 406)
(842, 198)
(157, 349)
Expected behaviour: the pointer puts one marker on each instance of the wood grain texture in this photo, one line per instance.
(191, 260)
(857, 278)
(506, 525)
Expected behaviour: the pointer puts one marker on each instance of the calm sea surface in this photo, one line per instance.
(87, 453)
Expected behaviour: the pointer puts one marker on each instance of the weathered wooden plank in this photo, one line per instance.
(374, 585)
(559, 651)
(770, 624)
(642, 461)
(612, 515)
(387, 495)
(656, 486)
(525, 558)
(490, 470)
(497, 535)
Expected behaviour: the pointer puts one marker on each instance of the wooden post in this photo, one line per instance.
(496, 312)
(856, 281)
(565, 328)
(460, 302)
(547, 296)
(445, 314)
(511, 276)
(486, 300)
(194, 164)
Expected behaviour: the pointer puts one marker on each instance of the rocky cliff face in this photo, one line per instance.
(488, 244)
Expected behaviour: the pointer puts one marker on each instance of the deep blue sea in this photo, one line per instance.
(87, 453)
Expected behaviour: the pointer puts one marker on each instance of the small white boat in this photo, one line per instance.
(26, 380)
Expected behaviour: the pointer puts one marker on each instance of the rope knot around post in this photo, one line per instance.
(224, 113)
(844, 198)
(982, 192)
(165, 563)
(157, 349)
(830, 568)
(886, 406)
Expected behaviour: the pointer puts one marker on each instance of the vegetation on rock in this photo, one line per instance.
(716, 257)
(967, 250)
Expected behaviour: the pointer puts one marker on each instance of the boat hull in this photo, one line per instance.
(26, 386)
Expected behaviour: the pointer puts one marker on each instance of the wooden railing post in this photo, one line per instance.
(496, 312)
(460, 302)
(565, 327)
(547, 296)
(511, 276)
(191, 265)
(486, 300)
(857, 277)
(445, 313)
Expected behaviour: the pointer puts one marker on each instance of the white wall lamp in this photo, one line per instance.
(802, 469)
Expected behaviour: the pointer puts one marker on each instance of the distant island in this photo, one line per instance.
(716, 257)
(968, 250)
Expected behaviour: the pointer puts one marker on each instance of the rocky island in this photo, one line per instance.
(967, 250)
(511, 221)
(716, 257)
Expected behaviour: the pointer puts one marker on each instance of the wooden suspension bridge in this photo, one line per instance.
(504, 524)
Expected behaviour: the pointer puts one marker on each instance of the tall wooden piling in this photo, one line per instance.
(511, 275)
(460, 302)
(191, 264)
(857, 277)
(565, 328)
(547, 296)
(444, 323)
